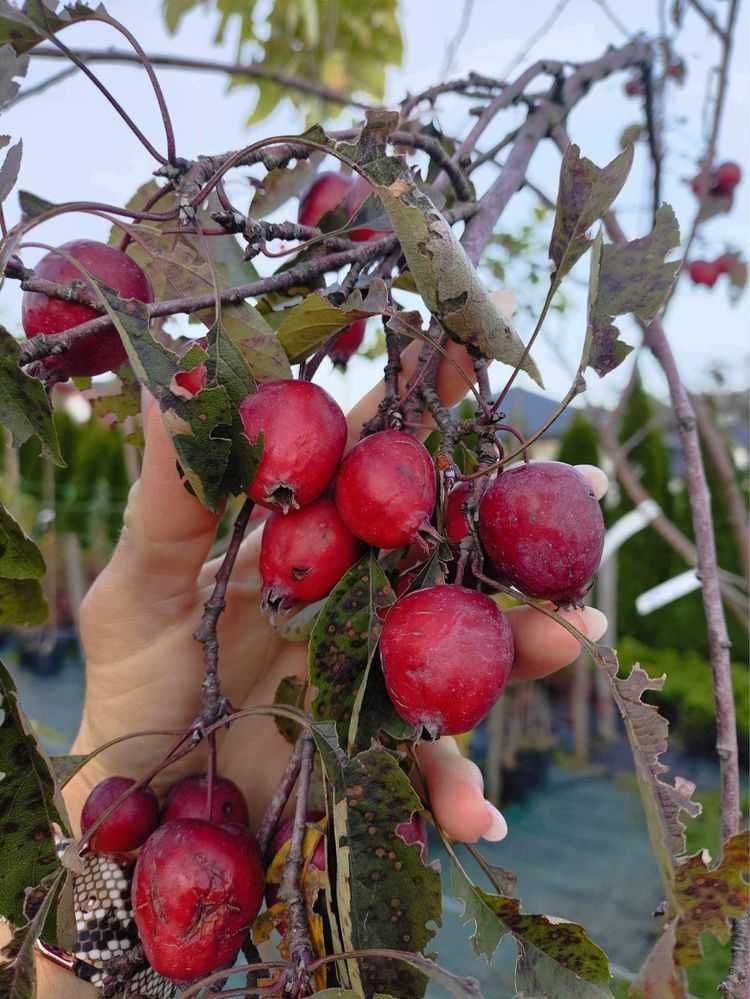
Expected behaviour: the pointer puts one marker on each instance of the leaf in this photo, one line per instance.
(647, 734)
(585, 194)
(11, 66)
(22, 603)
(309, 324)
(29, 805)
(281, 184)
(387, 897)
(299, 626)
(9, 169)
(19, 556)
(344, 638)
(708, 897)
(291, 690)
(24, 406)
(18, 976)
(32, 205)
(120, 402)
(627, 278)
(65, 767)
(658, 977)
(550, 949)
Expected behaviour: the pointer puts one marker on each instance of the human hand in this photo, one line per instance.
(144, 668)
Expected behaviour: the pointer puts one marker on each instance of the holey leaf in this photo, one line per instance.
(343, 640)
(555, 957)
(177, 264)
(627, 278)
(386, 896)
(18, 978)
(25, 29)
(585, 194)
(29, 805)
(24, 406)
(647, 733)
(21, 566)
(445, 277)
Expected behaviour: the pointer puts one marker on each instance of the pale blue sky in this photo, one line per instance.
(75, 147)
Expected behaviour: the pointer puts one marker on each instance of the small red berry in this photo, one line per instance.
(726, 177)
(325, 194)
(360, 191)
(542, 526)
(704, 272)
(347, 342)
(385, 490)
(188, 799)
(447, 653)
(304, 553)
(456, 523)
(304, 433)
(39, 314)
(197, 887)
(129, 825)
(633, 88)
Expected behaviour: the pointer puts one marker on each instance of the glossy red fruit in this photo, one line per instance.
(304, 553)
(325, 194)
(196, 888)
(447, 653)
(129, 825)
(193, 381)
(188, 799)
(39, 314)
(456, 523)
(304, 432)
(347, 343)
(542, 526)
(360, 191)
(704, 272)
(726, 177)
(633, 88)
(385, 490)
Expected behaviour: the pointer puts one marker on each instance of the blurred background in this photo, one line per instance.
(553, 753)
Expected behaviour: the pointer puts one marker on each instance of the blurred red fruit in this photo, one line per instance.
(325, 194)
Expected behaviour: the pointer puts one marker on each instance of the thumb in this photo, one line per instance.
(167, 532)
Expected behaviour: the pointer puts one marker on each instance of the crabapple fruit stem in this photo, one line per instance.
(213, 704)
(280, 797)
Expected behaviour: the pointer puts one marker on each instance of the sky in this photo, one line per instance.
(75, 147)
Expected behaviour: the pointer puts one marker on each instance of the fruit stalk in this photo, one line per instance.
(298, 979)
(389, 415)
(214, 704)
(280, 797)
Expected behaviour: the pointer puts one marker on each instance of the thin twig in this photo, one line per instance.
(535, 38)
(709, 18)
(250, 70)
(455, 42)
(277, 804)
(43, 85)
(213, 704)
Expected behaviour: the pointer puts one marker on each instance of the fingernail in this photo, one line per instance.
(597, 478)
(594, 623)
(498, 826)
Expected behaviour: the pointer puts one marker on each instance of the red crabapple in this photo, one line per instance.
(542, 527)
(726, 177)
(347, 343)
(304, 433)
(101, 351)
(360, 191)
(456, 523)
(304, 553)
(385, 490)
(447, 652)
(325, 194)
(704, 272)
(197, 887)
(129, 825)
(188, 799)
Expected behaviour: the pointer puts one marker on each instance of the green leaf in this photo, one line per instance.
(175, 10)
(24, 406)
(22, 603)
(11, 66)
(121, 402)
(9, 169)
(309, 324)
(25, 29)
(18, 976)
(647, 733)
(29, 805)
(291, 690)
(585, 194)
(554, 954)
(19, 556)
(386, 896)
(32, 205)
(344, 639)
(65, 767)
(628, 278)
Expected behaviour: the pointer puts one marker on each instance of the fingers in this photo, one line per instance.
(456, 793)
(167, 532)
(455, 375)
(597, 479)
(543, 646)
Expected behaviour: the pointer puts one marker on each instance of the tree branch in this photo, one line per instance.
(250, 70)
